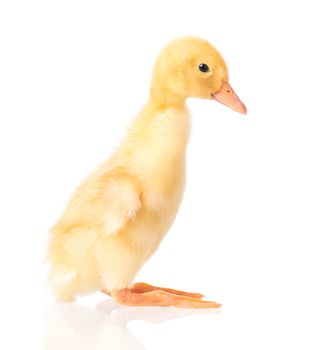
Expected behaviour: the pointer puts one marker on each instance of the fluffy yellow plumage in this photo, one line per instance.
(120, 213)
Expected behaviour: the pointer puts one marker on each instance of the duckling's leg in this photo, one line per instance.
(159, 298)
(144, 287)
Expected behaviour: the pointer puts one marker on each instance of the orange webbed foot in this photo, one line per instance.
(139, 296)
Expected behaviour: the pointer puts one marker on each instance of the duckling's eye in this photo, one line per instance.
(204, 68)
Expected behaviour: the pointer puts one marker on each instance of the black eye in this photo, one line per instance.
(204, 67)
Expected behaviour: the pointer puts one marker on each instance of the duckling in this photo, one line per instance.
(118, 216)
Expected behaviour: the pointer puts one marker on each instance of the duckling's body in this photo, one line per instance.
(79, 244)
(119, 215)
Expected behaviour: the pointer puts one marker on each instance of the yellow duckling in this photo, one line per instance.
(121, 212)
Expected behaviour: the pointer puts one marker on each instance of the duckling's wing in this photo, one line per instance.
(121, 203)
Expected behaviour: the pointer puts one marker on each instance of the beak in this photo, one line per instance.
(228, 97)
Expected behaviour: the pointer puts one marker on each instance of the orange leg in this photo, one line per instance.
(160, 298)
(144, 287)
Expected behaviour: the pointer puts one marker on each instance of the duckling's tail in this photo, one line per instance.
(61, 281)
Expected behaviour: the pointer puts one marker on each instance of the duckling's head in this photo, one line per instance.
(192, 67)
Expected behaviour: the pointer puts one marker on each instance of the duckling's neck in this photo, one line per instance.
(160, 126)
(161, 115)
(161, 100)
(161, 103)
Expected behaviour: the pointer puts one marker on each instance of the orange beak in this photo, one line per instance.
(229, 98)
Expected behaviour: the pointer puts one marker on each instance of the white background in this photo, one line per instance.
(72, 76)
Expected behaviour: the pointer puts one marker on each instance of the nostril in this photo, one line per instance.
(229, 91)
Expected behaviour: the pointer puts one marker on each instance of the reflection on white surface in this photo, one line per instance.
(72, 326)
